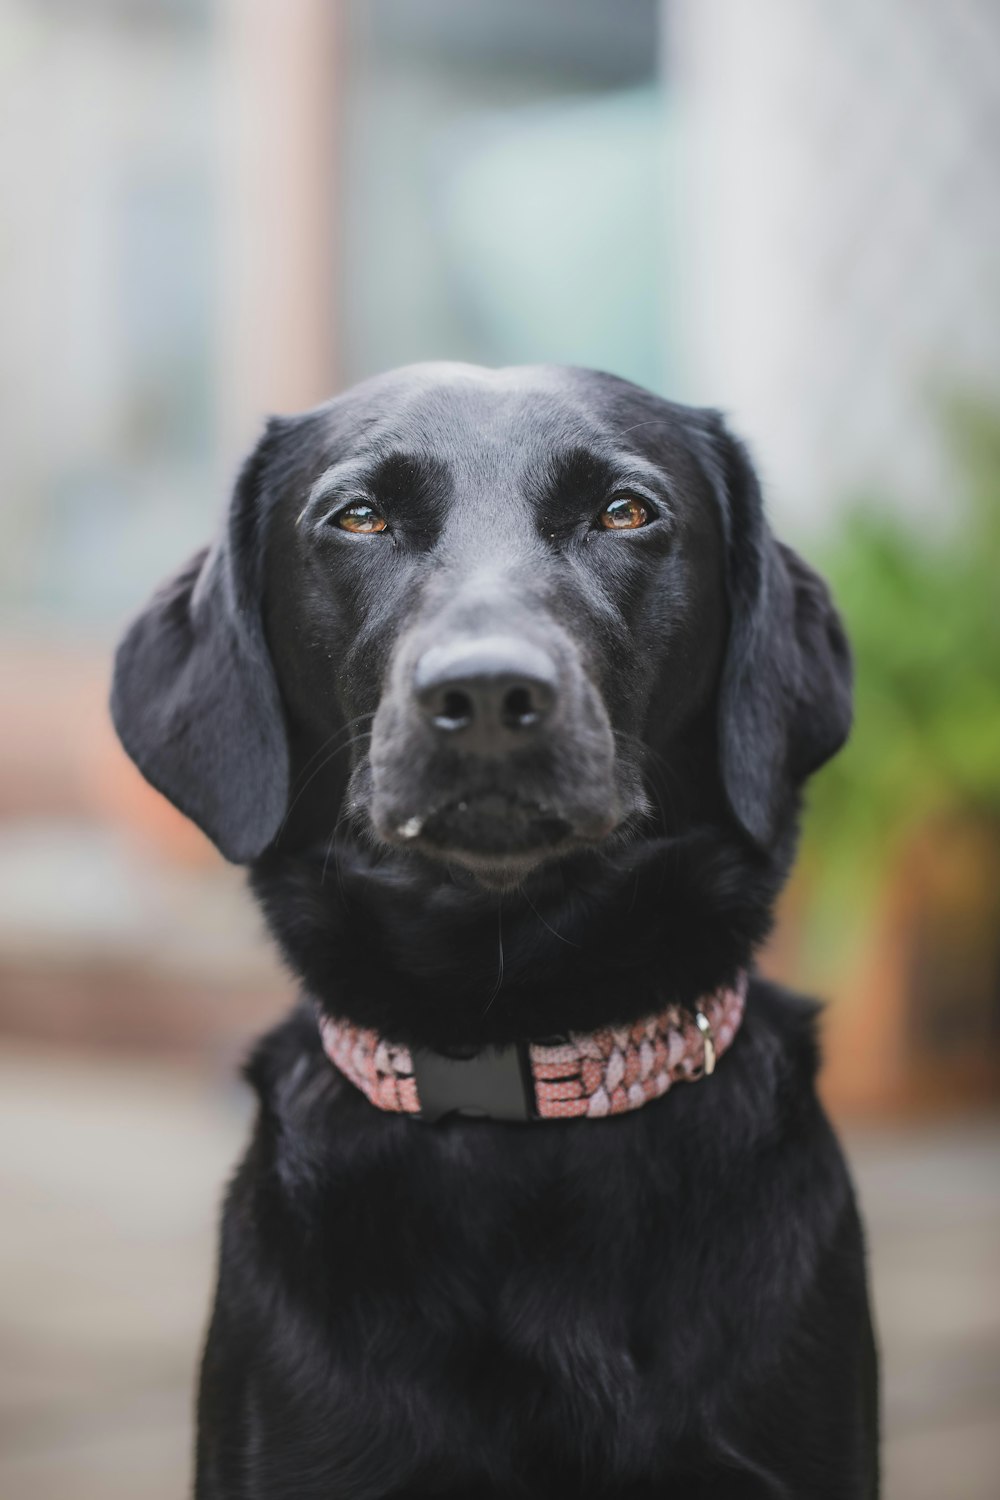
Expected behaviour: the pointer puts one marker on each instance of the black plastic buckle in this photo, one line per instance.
(494, 1083)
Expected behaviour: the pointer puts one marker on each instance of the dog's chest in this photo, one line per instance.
(474, 1303)
(547, 1288)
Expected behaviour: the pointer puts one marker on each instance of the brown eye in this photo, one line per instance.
(625, 513)
(363, 520)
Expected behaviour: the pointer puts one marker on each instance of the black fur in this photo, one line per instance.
(670, 1303)
(193, 680)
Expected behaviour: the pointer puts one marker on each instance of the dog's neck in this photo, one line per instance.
(427, 957)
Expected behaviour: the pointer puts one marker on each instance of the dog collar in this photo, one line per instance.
(584, 1075)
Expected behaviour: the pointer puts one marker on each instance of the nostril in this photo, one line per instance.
(455, 710)
(520, 708)
(487, 691)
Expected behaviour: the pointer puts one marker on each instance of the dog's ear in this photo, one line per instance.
(785, 694)
(194, 697)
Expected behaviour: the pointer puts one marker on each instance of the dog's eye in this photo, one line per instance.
(363, 520)
(624, 513)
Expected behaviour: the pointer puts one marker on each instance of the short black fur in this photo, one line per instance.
(669, 1303)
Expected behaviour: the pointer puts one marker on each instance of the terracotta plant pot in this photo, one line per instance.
(913, 1020)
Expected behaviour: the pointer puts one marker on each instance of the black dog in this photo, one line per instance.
(502, 688)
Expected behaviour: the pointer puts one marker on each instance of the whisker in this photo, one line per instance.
(568, 941)
(499, 983)
(335, 736)
(331, 841)
(656, 787)
(364, 735)
(649, 422)
(669, 772)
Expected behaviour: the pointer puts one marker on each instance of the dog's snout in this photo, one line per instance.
(491, 694)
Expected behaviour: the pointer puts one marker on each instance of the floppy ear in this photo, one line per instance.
(194, 697)
(785, 697)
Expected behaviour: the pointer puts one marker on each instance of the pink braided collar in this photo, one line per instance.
(590, 1074)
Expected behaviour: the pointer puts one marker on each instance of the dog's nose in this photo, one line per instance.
(491, 694)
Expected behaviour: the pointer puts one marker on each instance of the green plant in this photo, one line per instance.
(923, 614)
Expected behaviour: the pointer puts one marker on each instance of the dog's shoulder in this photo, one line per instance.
(767, 1094)
(298, 1092)
(285, 1048)
(786, 1031)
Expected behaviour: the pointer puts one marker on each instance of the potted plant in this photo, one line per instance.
(896, 912)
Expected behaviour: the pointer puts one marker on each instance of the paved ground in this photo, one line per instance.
(110, 1173)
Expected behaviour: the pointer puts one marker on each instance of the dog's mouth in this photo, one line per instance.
(492, 832)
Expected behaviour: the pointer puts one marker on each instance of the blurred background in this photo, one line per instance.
(214, 209)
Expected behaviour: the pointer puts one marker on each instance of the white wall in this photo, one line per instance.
(835, 196)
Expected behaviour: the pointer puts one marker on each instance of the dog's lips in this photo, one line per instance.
(495, 829)
(496, 824)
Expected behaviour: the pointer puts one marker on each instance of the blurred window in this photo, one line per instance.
(502, 198)
(106, 162)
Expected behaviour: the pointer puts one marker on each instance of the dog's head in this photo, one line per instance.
(472, 610)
